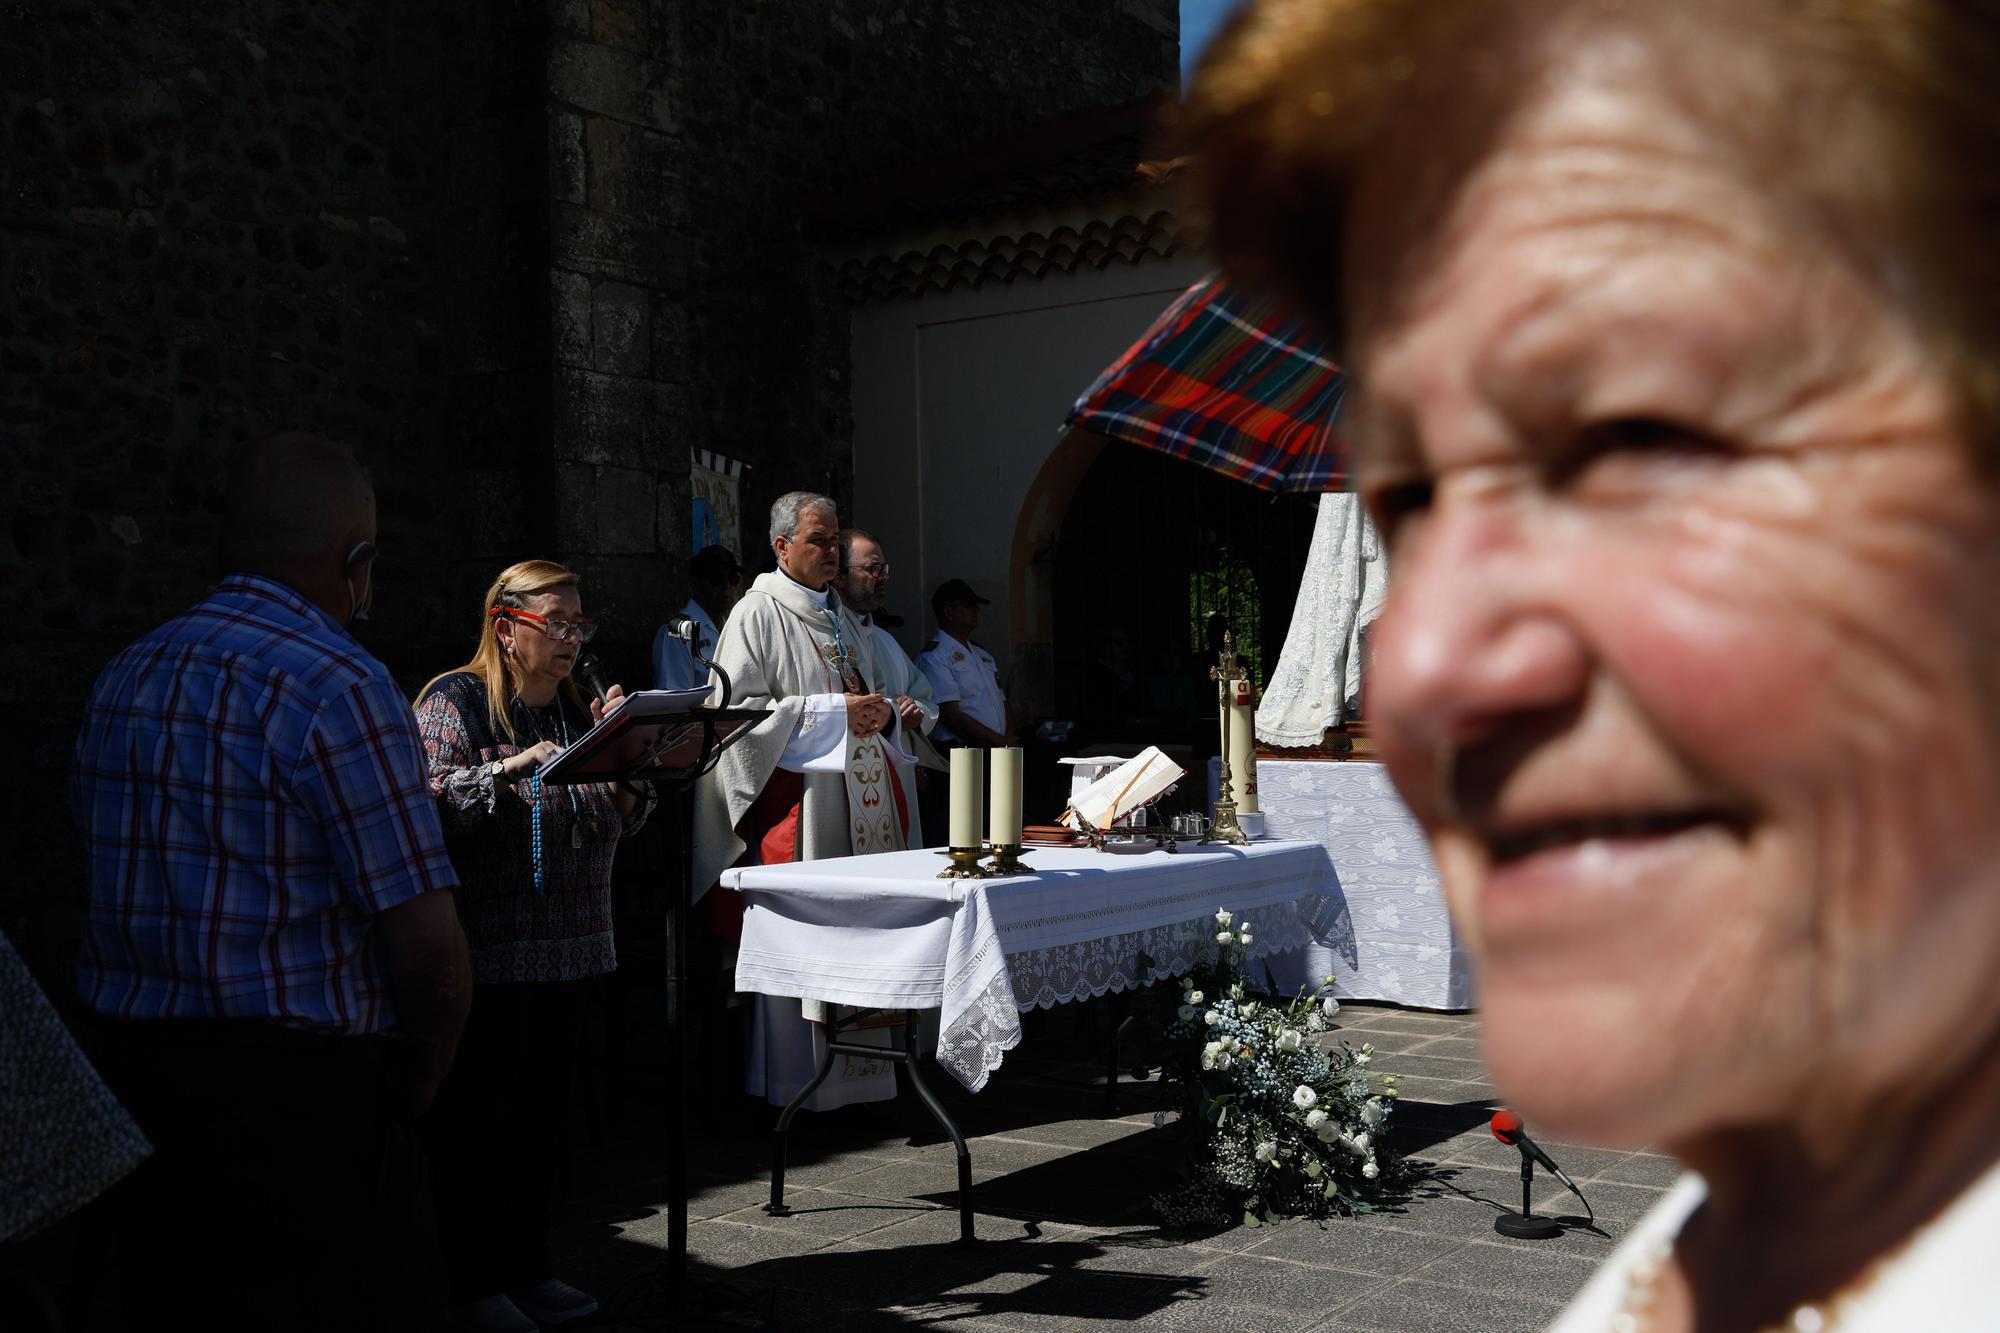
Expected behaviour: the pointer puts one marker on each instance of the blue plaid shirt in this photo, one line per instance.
(252, 791)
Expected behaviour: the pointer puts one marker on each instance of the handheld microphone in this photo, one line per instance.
(1511, 1130)
(590, 674)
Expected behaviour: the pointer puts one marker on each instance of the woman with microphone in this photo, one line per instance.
(534, 866)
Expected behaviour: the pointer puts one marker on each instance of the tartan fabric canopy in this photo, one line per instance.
(1230, 382)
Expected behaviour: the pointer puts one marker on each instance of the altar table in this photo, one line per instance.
(1393, 939)
(884, 932)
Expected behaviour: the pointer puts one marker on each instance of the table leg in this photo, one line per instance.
(936, 1108)
(1121, 1019)
(776, 1207)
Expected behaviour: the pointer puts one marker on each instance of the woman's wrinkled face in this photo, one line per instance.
(1689, 660)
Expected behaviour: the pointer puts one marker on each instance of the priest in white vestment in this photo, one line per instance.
(864, 587)
(818, 778)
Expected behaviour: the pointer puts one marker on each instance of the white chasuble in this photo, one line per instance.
(787, 649)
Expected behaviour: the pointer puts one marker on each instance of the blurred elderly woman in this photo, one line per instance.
(534, 866)
(1675, 326)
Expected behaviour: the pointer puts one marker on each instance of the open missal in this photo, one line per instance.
(1134, 783)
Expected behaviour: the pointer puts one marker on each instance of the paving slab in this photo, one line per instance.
(1067, 1239)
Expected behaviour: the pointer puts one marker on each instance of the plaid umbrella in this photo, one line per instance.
(1230, 382)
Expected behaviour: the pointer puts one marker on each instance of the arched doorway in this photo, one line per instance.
(1124, 560)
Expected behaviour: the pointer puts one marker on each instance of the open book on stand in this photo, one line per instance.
(1138, 781)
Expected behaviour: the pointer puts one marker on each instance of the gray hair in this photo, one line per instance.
(793, 506)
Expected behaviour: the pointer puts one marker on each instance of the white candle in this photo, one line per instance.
(968, 774)
(1243, 747)
(1004, 817)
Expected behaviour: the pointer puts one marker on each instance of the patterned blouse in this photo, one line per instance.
(563, 931)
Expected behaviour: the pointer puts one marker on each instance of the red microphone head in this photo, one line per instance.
(1507, 1127)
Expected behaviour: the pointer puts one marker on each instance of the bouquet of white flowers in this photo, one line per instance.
(1276, 1121)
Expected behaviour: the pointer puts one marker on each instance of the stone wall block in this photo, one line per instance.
(620, 84)
(603, 419)
(627, 511)
(670, 339)
(568, 174)
(621, 338)
(634, 172)
(620, 23)
(611, 247)
(571, 318)
(674, 525)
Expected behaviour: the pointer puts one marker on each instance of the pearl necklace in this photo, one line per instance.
(1642, 1287)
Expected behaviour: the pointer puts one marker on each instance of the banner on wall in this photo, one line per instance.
(718, 511)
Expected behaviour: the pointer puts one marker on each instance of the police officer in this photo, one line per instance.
(971, 708)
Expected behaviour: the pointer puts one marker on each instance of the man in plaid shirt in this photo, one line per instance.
(272, 951)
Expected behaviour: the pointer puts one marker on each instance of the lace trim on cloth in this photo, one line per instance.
(972, 1048)
(977, 1040)
(544, 960)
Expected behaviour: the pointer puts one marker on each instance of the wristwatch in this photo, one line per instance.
(497, 772)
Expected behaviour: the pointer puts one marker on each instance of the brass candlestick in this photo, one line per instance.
(964, 863)
(1225, 673)
(1006, 860)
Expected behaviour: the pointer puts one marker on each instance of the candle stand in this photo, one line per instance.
(1006, 860)
(964, 863)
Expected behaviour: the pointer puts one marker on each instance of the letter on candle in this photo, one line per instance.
(1004, 818)
(1243, 746)
(968, 780)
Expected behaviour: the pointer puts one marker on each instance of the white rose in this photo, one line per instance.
(1211, 1018)
(1224, 1060)
(1361, 1142)
(1186, 1013)
(1363, 1058)
(1244, 940)
(1225, 937)
(1313, 1168)
(1243, 925)
(1194, 997)
(1329, 1006)
(1266, 1150)
(1370, 1171)
(1303, 1097)
(1288, 1040)
(1315, 1118)
(1326, 1132)
(1371, 1113)
(1187, 983)
(1222, 917)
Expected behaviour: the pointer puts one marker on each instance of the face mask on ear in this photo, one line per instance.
(357, 606)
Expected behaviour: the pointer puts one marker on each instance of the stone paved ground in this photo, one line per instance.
(1067, 1242)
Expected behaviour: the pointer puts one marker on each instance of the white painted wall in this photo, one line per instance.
(959, 399)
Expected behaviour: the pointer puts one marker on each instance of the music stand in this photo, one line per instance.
(688, 739)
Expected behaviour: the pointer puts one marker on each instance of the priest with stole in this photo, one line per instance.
(827, 774)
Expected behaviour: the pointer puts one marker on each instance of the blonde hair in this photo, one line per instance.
(516, 584)
(1294, 94)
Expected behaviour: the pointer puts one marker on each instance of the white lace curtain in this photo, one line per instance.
(1318, 676)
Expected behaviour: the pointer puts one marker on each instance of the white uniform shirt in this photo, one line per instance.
(674, 667)
(964, 674)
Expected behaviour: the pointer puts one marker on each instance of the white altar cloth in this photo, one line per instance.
(883, 931)
(1396, 941)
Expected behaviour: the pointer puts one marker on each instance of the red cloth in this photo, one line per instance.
(770, 833)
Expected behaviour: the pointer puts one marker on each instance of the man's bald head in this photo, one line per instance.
(297, 506)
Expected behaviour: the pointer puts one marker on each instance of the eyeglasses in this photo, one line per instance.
(583, 628)
(874, 571)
